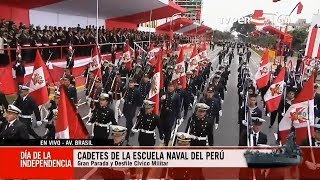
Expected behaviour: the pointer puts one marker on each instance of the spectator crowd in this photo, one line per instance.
(50, 37)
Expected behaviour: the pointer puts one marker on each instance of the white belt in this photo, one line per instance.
(201, 138)
(146, 131)
(25, 116)
(46, 44)
(39, 44)
(103, 125)
(26, 45)
(54, 43)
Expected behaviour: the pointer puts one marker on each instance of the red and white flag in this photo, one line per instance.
(151, 54)
(300, 112)
(179, 73)
(313, 43)
(299, 8)
(203, 52)
(262, 76)
(194, 60)
(127, 56)
(69, 124)
(154, 93)
(38, 88)
(274, 94)
(95, 62)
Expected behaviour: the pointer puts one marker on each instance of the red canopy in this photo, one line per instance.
(159, 13)
(274, 31)
(176, 25)
(199, 30)
(30, 4)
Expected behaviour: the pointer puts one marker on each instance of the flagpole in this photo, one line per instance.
(309, 133)
(97, 23)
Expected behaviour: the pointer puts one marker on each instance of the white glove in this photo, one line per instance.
(121, 100)
(190, 105)
(45, 120)
(163, 97)
(216, 126)
(220, 113)
(89, 114)
(88, 100)
(55, 112)
(88, 123)
(222, 101)
(226, 92)
(39, 123)
(17, 64)
(134, 130)
(241, 93)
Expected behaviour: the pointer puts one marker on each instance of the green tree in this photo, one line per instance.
(242, 28)
(299, 37)
(219, 35)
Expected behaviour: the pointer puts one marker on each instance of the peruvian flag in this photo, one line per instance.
(194, 60)
(127, 56)
(38, 88)
(179, 73)
(299, 8)
(203, 52)
(300, 112)
(151, 54)
(274, 94)
(313, 43)
(98, 74)
(69, 124)
(155, 85)
(95, 62)
(263, 74)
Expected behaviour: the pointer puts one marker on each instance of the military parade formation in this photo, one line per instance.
(122, 92)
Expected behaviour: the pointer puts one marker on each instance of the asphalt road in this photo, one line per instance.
(228, 132)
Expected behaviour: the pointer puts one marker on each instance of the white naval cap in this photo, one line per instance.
(104, 96)
(23, 88)
(118, 130)
(202, 106)
(255, 120)
(14, 109)
(189, 72)
(148, 103)
(184, 137)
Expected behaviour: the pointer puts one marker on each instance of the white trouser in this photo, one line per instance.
(117, 111)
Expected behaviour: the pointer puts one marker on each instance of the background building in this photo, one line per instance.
(301, 24)
(191, 5)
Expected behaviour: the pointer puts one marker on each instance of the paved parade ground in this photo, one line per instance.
(228, 132)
